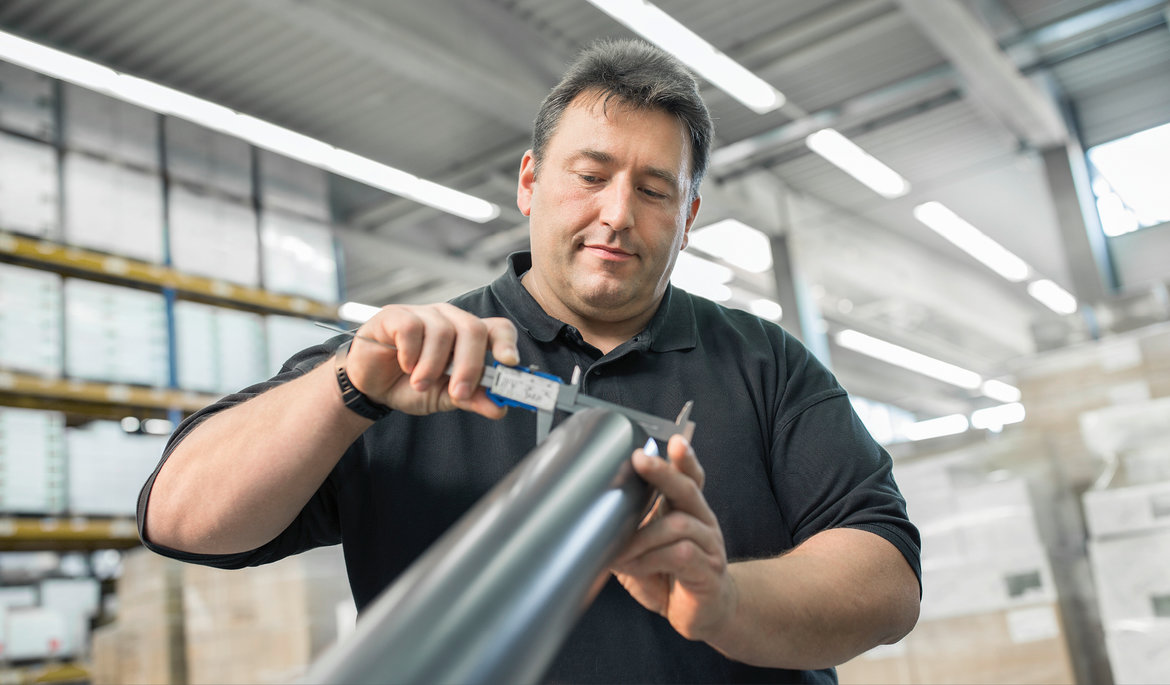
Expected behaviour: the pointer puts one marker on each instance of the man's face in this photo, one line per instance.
(609, 211)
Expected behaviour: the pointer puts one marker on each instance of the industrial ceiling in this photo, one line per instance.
(974, 106)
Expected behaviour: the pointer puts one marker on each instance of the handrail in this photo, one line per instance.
(495, 597)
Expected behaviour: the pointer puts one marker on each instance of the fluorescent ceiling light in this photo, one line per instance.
(262, 134)
(998, 390)
(736, 243)
(972, 241)
(908, 359)
(357, 312)
(1053, 296)
(765, 308)
(701, 277)
(1135, 171)
(995, 418)
(660, 28)
(858, 163)
(937, 428)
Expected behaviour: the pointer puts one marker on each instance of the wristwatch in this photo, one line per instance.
(353, 398)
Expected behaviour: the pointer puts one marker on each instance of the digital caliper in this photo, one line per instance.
(543, 393)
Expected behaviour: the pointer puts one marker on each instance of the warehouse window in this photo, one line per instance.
(1130, 178)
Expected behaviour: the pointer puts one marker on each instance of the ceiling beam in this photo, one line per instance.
(368, 34)
(991, 78)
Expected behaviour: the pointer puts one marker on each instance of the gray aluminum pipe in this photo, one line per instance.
(495, 597)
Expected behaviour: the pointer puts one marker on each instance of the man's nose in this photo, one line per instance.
(617, 207)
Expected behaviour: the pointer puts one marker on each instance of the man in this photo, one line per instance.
(785, 551)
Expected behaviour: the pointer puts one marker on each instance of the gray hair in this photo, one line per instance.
(641, 76)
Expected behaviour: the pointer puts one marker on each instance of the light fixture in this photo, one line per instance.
(1053, 296)
(998, 390)
(767, 309)
(724, 73)
(701, 277)
(937, 428)
(357, 312)
(908, 359)
(858, 163)
(971, 240)
(735, 243)
(260, 133)
(157, 426)
(995, 418)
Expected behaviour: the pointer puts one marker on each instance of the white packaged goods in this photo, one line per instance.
(32, 461)
(299, 257)
(36, 633)
(207, 158)
(288, 335)
(113, 208)
(219, 350)
(31, 313)
(1139, 652)
(78, 600)
(115, 334)
(214, 237)
(1125, 510)
(108, 127)
(28, 188)
(293, 186)
(1131, 577)
(26, 102)
(108, 466)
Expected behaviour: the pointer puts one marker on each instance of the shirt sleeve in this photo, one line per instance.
(315, 526)
(829, 472)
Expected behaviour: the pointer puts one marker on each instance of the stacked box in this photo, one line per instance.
(208, 159)
(1133, 594)
(79, 601)
(28, 187)
(214, 237)
(108, 127)
(264, 624)
(104, 664)
(26, 102)
(31, 314)
(292, 186)
(219, 350)
(108, 466)
(32, 461)
(113, 208)
(115, 334)
(146, 644)
(287, 335)
(35, 634)
(299, 256)
(1021, 645)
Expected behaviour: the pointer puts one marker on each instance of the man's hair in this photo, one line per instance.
(641, 76)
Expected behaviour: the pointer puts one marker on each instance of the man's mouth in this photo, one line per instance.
(607, 252)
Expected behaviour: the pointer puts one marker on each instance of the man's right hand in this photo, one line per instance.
(429, 339)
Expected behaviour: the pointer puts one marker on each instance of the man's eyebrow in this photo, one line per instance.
(606, 158)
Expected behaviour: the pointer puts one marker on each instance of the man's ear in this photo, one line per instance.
(692, 212)
(524, 186)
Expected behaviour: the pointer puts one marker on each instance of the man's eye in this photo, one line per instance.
(589, 179)
(654, 194)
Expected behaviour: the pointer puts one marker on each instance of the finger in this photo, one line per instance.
(682, 455)
(438, 340)
(471, 335)
(685, 561)
(502, 338)
(670, 530)
(680, 490)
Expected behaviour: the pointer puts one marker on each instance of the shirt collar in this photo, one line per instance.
(671, 328)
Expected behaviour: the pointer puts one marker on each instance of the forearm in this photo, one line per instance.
(839, 594)
(239, 478)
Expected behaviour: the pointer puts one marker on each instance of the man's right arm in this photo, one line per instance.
(242, 476)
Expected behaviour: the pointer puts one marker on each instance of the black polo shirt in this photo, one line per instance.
(785, 457)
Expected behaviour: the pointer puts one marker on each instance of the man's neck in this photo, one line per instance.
(604, 335)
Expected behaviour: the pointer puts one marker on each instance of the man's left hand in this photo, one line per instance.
(676, 563)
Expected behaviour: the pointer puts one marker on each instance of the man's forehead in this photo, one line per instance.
(590, 104)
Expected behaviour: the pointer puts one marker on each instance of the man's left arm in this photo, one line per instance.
(836, 595)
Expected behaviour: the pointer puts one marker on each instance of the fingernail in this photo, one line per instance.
(422, 385)
(462, 391)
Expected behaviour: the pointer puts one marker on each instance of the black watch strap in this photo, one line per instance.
(357, 402)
